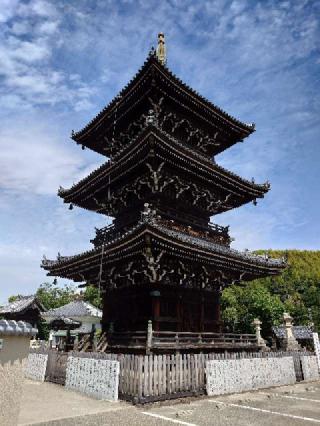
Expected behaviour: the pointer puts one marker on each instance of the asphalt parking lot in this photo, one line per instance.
(289, 405)
(47, 404)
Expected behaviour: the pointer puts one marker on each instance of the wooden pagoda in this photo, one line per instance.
(162, 259)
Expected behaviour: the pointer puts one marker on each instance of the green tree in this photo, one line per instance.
(299, 285)
(242, 304)
(14, 298)
(52, 296)
(92, 295)
(296, 290)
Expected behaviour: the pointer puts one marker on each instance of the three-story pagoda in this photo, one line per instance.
(162, 259)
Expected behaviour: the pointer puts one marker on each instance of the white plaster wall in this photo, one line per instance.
(12, 361)
(11, 381)
(36, 366)
(310, 367)
(239, 375)
(98, 378)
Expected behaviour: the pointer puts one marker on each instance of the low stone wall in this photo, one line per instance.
(239, 375)
(36, 366)
(310, 368)
(98, 378)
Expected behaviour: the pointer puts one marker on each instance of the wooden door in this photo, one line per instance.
(56, 367)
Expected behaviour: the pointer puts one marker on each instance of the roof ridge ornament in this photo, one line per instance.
(148, 215)
(161, 51)
(151, 119)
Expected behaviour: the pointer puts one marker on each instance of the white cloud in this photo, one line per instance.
(20, 28)
(26, 63)
(7, 9)
(28, 52)
(36, 160)
(37, 8)
(48, 27)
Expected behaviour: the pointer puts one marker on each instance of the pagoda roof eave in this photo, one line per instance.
(152, 64)
(201, 247)
(108, 168)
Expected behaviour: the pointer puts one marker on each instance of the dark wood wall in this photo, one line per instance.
(170, 309)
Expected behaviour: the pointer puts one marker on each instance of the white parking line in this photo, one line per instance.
(290, 397)
(180, 422)
(261, 410)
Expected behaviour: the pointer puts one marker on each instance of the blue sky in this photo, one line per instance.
(62, 61)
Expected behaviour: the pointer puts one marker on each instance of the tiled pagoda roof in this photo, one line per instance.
(88, 186)
(152, 66)
(171, 237)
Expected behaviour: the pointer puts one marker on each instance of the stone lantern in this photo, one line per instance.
(260, 341)
(289, 342)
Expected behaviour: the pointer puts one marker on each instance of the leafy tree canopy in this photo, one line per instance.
(52, 296)
(296, 290)
(91, 295)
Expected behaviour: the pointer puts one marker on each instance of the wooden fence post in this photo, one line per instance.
(149, 338)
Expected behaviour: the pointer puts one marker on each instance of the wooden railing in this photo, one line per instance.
(180, 339)
(135, 339)
(154, 340)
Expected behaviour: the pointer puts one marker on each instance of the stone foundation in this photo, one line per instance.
(36, 366)
(98, 378)
(310, 368)
(239, 375)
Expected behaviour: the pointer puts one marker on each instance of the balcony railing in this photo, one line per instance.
(151, 340)
(104, 235)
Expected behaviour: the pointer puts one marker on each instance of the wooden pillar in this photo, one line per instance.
(218, 308)
(217, 312)
(155, 300)
(201, 312)
(179, 312)
(105, 313)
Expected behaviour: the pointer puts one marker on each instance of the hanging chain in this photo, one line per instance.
(112, 139)
(101, 264)
(109, 196)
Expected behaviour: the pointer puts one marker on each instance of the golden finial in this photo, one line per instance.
(161, 49)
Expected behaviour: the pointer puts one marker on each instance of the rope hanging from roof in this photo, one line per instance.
(109, 195)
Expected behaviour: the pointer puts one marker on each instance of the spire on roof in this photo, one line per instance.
(161, 49)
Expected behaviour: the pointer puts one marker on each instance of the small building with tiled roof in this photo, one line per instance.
(302, 333)
(24, 308)
(78, 312)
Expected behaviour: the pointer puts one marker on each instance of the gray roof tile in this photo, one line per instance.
(300, 332)
(19, 305)
(78, 308)
(14, 328)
